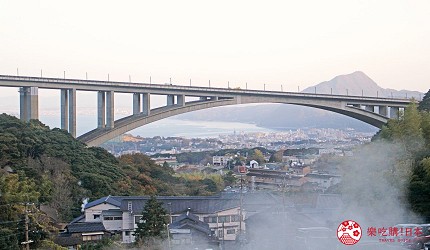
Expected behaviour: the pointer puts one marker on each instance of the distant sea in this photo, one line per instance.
(166, 127)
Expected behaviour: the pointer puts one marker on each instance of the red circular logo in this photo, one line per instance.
(349, 232)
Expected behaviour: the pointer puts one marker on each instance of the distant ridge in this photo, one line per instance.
(281, 116)
(358, 83)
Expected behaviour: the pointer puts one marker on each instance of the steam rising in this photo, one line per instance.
(372, 193)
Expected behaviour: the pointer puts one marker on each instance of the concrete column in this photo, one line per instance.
(146, 103)
(394, 112)
(181, 100)
(64, 97)
(136, 103)
(170, 100)
(29, 103)
(101, 109)
(383, 110)
(110, 108)
(34, 103)
(370, 108)
(23, 103)
(72, 112)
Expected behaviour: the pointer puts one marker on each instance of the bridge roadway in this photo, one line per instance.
(372, 110)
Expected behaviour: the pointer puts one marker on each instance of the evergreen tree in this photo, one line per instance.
(152, 226)
(424, 105)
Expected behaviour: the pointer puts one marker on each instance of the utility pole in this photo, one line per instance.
(27, 241)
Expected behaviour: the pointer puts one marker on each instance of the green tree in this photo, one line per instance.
(152, 226)
(424, 105)
(258, 156)
(229, 178)
(277, 156)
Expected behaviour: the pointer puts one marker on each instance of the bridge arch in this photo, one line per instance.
(121, 126)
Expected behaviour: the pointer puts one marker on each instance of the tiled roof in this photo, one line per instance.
(79, 218)
(180, 204)
(113, 200)
(85, 227)
(322, 176)
(191, 221)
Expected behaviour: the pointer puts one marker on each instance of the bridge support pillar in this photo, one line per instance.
(394, 112)
(181, 100)
(370, 108)
(72, 112)
(64, 97)
(29, 103)
(136, 103)
(101, 109)
(110, 108)
(170, 100)
(383, 110)
(146, 103)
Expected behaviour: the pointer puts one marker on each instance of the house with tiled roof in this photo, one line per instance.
(120, 214)
(77, 233)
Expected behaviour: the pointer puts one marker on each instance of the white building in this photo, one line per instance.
(220, 160)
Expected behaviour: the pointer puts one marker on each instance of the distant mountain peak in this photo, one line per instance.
(356, 84)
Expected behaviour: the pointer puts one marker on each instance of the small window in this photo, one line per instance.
(117, 218)
(127, 233)
(231, 231)
(96, 216)
(222, 219)
(206, 219)
(235, 218)
(130, 206)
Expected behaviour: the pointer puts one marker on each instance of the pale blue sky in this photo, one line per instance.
(260, 42)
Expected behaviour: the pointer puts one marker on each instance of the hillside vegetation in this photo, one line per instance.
(412, 131)
(43, 166)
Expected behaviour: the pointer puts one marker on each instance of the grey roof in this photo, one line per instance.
(322, 176)
(79, 218)
(180, 204)
(113, 200)
(189, 220)
(85, 227)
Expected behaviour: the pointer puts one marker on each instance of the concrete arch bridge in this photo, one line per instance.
(372, 110)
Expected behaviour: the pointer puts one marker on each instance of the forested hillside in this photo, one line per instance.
(412, 131)
(40, 166)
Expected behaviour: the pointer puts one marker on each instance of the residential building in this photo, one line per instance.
(120, 214)
(323, 181)
(220, 160)
(78, 233)
(272, 179)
